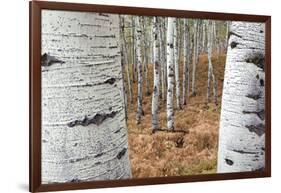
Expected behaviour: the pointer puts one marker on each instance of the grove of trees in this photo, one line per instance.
(91, 63)
(170, 44)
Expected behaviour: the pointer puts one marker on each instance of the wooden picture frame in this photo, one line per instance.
(35, 8)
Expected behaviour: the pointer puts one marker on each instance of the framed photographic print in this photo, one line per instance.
(123, 96)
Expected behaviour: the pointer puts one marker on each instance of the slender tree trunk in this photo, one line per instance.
(185, 86)
(176, 64)
(203, 49)
(84, 133)
(147, 91)
(195, 46)
(211, 75)
(162, 48)
(139, 68)
(156, 75)
(241, 135)
(133, 49)
(226, 35)
(125, 48)
(170, 72)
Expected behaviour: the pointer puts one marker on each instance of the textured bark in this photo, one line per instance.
(162, 59)
(155, 75)
(133, 33)
(185, 84)
(126, 60)
(203, 49)
(176, 65)
(226, 34)
(241, 135)
(195, 49)
(84, 134)
(211, 75)
(170, 72)
(146, 47)
(139, 68)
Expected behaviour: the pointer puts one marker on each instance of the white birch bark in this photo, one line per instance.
(133, 32)
(162, 59)
(146, 47)
(170, 72)
(226, 34)
(84, 134)
(138, 32)
(241, 135)
(211, 75)
(185, 86)
(203, 36)
(126, 58)
(176, 65)
(195, 48)
(156, 75)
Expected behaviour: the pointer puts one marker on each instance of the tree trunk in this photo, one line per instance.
(146, 47)
(241, 135)
(185, 86)
(125, 48)
(155, 75)
(176, 64)
(211, 75)
(84, 134)
(195, 46)
(139, 69)
(162, 58)
(170, 72)
(133, 49)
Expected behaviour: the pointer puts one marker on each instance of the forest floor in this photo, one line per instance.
(180, 153)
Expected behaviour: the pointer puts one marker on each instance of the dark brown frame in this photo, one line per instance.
(35, 8)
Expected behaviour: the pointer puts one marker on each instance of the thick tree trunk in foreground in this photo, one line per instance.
(241, 135)
(139, 69)
(185, 84)
(211, 75)
(170, 72)
(84, 134)
(156, 75)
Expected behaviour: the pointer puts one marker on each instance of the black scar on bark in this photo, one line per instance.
(112, 47)
(48, 60)
(171, 45)
(75, 180)
(257, 59)
(233, 44)
(110, 81)
(235, 34)
(105, 36)
(254, 96)
(243, 152)
(258, 129)
(261, 82)
(118, 130)
(98, 155)
(261, 169)
(96, 120)
(229, 162)
(155, 37)
(103, 14)
(121, 153)
(260, 114)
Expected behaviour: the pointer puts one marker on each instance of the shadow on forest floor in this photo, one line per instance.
(180, 153)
